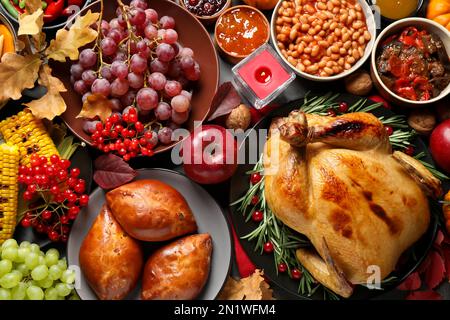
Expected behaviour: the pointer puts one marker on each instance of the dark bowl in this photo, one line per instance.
(54, 25)
(209, 20)
(191, 33)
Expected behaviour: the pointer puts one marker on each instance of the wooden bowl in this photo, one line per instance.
(208, 20)
(191, 34)
(232, 58)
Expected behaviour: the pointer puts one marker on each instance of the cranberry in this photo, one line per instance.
(282, 267)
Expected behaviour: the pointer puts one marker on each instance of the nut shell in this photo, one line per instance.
(359, 83)
(239, 118)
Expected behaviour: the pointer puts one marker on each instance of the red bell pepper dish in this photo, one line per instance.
(414, 64)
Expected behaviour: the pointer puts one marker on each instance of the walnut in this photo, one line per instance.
(359, 83)
(422, 120)
(239, 118)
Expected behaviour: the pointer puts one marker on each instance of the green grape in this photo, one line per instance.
(25, 244)
(9, 253)
(54, 272)
(5, 294)
(19, 292)
(45, 283)
(17, 274)
(51, 260)
(62, 264)
(51, 294)
(23, 269)
(63, 289)
(32, 260)
(74, 296)
(10, 280)
(40, 272)
(68, 276)
(35, 293)
(10, 243)
(35, 248)
(41, 260)
(22, 253)
(5, 267)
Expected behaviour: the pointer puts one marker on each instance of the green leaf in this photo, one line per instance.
(67, 147)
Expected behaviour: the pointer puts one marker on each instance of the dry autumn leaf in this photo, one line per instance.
(96, 105)
(253, 287)
(17, 73)
(31, 24)
(67, 42)
(33, 5)
(52, 103)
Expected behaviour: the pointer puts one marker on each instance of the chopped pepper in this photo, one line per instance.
(54, 10)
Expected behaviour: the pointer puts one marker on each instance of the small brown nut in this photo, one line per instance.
(422, 120)
(359, 83)
(239, 118)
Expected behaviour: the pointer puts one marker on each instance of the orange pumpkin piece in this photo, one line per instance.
(439, 11)
(8, 40)
(262, 4)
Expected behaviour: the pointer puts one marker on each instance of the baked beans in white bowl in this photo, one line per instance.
(323, 40)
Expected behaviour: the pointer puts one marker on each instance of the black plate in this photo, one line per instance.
(239, 186)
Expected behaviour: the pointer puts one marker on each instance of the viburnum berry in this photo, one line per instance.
(84, 200)
(257, 216)
(46, 214)
(53, 236)
(389, 130)
(410, 150)
(296, 274)
(75, 172)
(282, 267)
(25, 222)
(268, 247)
(331, 113)
(255, 178)
(343, 107)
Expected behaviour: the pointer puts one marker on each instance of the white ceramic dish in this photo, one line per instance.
(371, 26)
(397, 27)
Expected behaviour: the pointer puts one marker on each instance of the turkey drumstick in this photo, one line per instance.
(355, 131)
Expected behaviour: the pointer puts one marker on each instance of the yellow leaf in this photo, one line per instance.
(96, 105)
(52, 103)
(17, 73)
(33, 5)
(67, 42)
(253, 287)
(31, 23)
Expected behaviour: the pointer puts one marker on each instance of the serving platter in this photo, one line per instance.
(409, 261)
(207, 212)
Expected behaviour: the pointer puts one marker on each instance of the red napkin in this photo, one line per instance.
(244, 264)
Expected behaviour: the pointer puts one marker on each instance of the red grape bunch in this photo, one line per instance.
(139, 63)
(55, 195)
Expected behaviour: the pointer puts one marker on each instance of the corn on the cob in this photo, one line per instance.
(9, 189)
(29, 135)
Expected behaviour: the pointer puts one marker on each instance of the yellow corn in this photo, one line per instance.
(29, 135)
(9, 189)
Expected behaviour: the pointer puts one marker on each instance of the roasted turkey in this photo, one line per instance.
(337, 181)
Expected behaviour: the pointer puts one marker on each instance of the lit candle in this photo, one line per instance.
(262, 76)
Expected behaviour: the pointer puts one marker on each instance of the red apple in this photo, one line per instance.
(440, 145)
(210, 155)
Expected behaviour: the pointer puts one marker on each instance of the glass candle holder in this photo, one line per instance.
(262, 76)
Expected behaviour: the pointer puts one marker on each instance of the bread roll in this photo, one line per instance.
(151, 210)
(110, 260)
(179, 270)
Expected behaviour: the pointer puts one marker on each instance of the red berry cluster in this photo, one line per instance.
(55, 194)
(124, 135)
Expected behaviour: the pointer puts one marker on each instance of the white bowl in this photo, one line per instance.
(397, 27)
(371, 26)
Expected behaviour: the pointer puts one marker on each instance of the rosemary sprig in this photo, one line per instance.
(441, 176)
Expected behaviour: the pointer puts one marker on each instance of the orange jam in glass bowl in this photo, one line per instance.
(241, 30)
